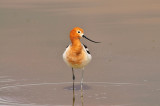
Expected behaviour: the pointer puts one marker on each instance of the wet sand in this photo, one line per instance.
(125, 68)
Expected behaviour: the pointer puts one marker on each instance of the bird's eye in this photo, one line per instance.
(79, 31)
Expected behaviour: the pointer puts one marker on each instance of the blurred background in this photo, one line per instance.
(125, 68)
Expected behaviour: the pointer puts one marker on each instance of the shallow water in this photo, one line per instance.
(125, 66)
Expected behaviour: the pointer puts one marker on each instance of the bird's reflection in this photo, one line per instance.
(73, 95)
(82, 96)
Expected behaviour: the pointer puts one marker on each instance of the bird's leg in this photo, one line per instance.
(82, 87)
(73, 76)
(82, 83)
(73, 86)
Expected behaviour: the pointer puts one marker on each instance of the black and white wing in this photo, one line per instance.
(86, 49)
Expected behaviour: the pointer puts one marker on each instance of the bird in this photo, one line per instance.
(77, 55)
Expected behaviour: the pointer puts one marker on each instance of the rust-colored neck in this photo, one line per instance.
(76, 45)
(75, 41)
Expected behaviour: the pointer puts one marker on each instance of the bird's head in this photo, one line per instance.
(77, 33)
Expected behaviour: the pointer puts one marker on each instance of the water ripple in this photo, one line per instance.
(61, 83)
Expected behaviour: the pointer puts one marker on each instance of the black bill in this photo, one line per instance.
(90, 39)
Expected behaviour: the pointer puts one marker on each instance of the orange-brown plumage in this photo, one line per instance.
(75, 55)
(74, 36)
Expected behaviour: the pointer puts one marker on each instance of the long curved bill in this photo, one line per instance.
(90, 39)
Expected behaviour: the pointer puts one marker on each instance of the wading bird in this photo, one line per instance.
(77, 55)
